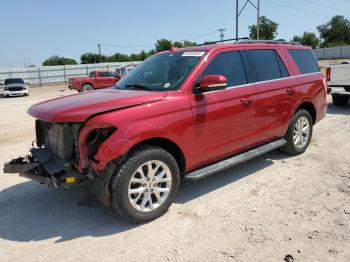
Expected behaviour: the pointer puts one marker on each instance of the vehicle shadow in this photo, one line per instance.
(338, 110)
(190, 190)
(32, 212)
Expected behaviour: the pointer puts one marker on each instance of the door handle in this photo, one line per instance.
(247, 101)
(290, 91)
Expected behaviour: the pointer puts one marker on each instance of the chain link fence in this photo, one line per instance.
(45, 75)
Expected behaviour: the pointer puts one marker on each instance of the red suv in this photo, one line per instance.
(183, 113)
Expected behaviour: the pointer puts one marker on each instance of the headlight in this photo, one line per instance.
(6, 88)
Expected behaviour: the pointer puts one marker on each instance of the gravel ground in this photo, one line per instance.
(263, 210)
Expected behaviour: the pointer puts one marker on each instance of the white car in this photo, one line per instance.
(15, 87)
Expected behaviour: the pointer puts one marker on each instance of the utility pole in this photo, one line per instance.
(238, 13)
(221, 30)
(99, 51)
(257, 21)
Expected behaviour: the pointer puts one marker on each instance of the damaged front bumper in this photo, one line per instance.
(43, 166)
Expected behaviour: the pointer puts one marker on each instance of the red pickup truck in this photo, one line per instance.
(181, 114)
(96, 80)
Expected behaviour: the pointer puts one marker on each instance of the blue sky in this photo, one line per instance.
(33, 30)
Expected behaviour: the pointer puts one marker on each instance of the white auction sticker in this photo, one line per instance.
(194, 53)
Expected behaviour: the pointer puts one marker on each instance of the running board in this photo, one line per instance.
(235, 160)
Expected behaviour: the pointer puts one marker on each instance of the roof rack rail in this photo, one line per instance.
(281, 41)
(225, 40)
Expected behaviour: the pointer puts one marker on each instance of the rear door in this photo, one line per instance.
(275, 92)
(104, 80)
(225, 121)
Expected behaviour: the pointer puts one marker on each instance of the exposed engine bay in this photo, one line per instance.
(55, 159)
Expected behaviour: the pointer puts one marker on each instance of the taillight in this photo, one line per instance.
(328, 74)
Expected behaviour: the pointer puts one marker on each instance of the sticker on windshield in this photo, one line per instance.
(167, 85)
(194, 53)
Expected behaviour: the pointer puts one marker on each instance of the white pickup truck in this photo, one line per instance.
(338, 77)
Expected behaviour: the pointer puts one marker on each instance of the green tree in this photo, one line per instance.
(336, 32)
(267, 29)
(307, 38)
(59, 60)
(185, 43)
(92, 58)
(162, 45)
(118, 57)
(143, 55)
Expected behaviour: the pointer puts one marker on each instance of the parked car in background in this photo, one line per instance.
(338, 77)
(181, 114)
(96, 80)
(14, 87)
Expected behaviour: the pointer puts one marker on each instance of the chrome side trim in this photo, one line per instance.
(267, 81)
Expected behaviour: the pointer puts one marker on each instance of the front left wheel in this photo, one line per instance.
(144, 186)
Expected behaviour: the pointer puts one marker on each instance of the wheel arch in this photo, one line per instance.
(167, 145)
(310, 107)
(87, 83)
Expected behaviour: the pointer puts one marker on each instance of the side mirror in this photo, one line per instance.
(211, 83)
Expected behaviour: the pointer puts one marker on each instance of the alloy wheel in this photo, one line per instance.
(149, 186)
(301, 132)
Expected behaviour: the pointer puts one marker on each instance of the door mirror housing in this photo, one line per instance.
(211, 83)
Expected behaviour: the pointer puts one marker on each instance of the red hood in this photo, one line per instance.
(77, 108)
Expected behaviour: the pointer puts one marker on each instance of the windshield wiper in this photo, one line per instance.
(139, 86)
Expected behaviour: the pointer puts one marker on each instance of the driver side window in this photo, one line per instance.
(230, 65)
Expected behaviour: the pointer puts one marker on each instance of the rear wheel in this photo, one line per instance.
(87, 88)
(340, 100)
(144, 186)
(299, 133)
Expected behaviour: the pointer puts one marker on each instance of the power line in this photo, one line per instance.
(325, 5)
(201, 35)
(108, 45)
(296, 8)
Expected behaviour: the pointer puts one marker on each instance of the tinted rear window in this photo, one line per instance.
(305, 61)
(103, 74)
(266, 65)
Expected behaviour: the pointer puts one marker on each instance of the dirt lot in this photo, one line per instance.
(262, 210)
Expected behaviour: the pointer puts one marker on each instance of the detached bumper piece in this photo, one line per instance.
(43, 166)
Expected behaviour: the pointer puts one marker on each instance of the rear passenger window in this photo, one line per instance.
(267, 65)
(103, 74)
(283, 69)
(305, 60)
(230, 65)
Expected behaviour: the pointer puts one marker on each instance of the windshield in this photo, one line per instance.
(10, 81)
(161, 72)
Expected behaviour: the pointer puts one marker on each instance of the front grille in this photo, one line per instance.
(15, 88)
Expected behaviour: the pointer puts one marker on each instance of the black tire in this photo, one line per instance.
(121, 178)
(340, 100)
(291, 147)
(86, 88)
